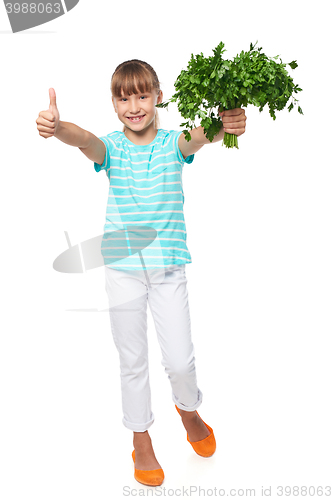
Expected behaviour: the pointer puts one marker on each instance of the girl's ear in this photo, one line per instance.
(160, 97)
(114, 104)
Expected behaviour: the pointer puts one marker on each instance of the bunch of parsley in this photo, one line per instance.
(212, 83)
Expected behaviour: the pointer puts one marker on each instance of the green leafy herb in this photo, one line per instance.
(213, 83)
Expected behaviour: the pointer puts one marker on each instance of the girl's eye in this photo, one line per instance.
(143, 97)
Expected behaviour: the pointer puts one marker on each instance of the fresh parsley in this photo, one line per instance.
(212, 83)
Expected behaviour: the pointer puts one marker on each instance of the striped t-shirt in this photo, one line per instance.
(145, 223)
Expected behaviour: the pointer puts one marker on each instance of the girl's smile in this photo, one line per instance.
(135, 119)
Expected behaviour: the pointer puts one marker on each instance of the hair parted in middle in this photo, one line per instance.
(133, 77)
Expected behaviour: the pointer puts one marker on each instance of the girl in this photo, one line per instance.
(144, 166)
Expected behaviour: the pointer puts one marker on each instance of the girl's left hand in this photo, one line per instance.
(234, 121)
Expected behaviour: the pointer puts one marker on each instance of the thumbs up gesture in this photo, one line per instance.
(48, 121)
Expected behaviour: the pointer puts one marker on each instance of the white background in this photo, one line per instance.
(260, 285)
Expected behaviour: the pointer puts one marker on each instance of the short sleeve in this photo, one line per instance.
(106, 163)
(189, 158)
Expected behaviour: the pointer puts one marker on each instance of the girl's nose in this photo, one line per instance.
(134, 107)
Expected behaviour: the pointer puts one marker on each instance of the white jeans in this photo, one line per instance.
(166, 292)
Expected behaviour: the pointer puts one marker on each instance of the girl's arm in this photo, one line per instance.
(49, 125)
(234, 122)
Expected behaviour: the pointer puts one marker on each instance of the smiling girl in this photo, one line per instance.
(144, 166)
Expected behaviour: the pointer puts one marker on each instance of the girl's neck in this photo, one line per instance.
(141, 138)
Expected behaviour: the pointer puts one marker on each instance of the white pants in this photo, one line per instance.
(166, 292)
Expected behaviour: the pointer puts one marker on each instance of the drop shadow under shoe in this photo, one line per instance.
(148, 477)
(205, 447)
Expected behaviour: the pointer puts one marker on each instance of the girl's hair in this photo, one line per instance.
(133, 77)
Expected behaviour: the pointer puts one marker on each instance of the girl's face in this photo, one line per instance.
(137, 111)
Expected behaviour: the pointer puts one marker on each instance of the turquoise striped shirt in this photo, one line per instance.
(145, 224)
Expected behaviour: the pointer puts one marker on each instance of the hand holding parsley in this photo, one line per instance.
(234, 122)
(213, 84)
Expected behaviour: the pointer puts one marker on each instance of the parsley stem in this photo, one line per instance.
(230, 140)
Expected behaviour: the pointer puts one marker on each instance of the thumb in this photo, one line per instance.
(52, 95)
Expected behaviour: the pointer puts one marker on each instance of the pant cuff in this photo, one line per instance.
(188, 408)
(138, 427)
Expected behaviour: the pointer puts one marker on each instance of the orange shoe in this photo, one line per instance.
(207, 446)
(148, 477)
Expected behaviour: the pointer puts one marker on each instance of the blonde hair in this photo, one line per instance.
(134, 77)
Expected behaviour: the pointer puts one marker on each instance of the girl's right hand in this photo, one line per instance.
(48, 121)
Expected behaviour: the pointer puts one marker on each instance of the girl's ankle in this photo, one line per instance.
(141, 438)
